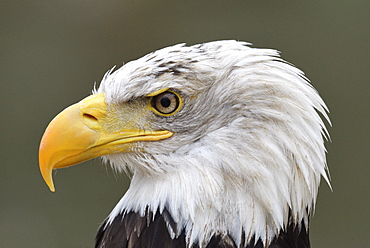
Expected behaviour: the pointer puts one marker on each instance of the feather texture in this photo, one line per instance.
(245, 161)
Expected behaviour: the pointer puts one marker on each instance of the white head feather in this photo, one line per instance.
(248, 147)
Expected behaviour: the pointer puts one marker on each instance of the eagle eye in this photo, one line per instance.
(166, 103)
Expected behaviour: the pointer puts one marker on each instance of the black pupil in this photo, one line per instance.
(165, 102)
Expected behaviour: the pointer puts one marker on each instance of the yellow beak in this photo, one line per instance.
(87, 130)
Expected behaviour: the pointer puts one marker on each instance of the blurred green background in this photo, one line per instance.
(52, 52)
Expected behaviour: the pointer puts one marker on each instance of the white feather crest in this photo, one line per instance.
(248, 148)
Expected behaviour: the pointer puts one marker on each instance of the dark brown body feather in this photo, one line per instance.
(135, 231)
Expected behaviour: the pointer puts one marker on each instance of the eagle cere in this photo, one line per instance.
(224, 142)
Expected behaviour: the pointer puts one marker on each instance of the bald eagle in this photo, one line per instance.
(224, 144)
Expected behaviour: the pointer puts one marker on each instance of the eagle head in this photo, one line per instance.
(224, 139)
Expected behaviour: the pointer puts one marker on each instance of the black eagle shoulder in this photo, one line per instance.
(132, 230)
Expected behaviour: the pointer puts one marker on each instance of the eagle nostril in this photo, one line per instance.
(89, 117)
